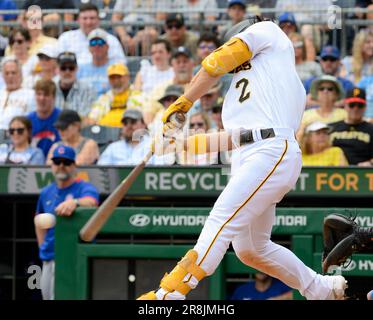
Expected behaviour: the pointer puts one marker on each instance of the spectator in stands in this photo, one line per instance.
(109, 107)
(69, 125)
(134, 145)
(19, 151)
(317, 149)
(210, 98)
(19, 41)
(288, 24)
(199, 9)
(264, 287)
(199, 122)
(305, 69)
(354, 135)
(159, 71)
(182, 65)
(77, 41)
(46, 67)
(61, 198)
(44, 134)
(360, 64)
(94, 73)
(326, 90)
(72, 93)
(206, 44)
(136, 42)
(215, 114)
(177, 34)
(14, 100)
(236, 10)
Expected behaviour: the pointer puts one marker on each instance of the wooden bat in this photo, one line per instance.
(105, 210)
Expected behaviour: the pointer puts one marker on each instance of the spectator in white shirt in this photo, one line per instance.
(77, 40)
(134, 145)
(14, 100)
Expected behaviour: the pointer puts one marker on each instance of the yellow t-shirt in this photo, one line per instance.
(312, 115)
(333, 156)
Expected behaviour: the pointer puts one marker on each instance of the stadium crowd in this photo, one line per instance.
(102, 90)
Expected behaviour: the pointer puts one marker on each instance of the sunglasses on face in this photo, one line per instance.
(128, 121)
(69, 68)
(210, 47)
(18, 130)
(197, 125)
(216, 110)
(172, 26)
(97, 42)
(65, 162)
(329, 59)
(18, 41)
(330, 89)
(359, 105)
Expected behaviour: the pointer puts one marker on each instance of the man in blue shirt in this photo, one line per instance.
(263, 288)
(61, 198)
(44, 134)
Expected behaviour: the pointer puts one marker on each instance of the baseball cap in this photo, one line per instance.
(239, 2)
(65, 118)
(326, 78)
(117, 69)
(48, 50)
(356, 95)
(330, 51)
(98, 33)
(182, 50)
(132, 114)
(172, 91)
(64, 152)
(287, 17)
(67, 57)
(175, 17)
(316, 126)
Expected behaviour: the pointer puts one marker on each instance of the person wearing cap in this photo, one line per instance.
(326, 90)
(109, 107)
(14, 99)
(95, 72)
(177, 34)
(316, 147)
(77, 40)
(69, 125)
(158, 71)
(330, 62)
(60, 198)
(134, 144)
(44, 134)
(133, 40)
(354, 135)
(72, 93)
(236, 10)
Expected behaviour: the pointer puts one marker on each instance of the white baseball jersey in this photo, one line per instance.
(265, 92)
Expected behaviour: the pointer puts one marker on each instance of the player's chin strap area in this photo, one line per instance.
(187, 265)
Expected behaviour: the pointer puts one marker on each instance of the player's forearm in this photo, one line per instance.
(40, 235)
(87, 202)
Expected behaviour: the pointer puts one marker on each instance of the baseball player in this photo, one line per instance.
(265, 101)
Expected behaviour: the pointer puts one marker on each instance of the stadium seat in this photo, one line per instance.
(103, 135)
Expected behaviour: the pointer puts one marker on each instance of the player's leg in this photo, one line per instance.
(263, 178)
(47, 280)
(255, 249)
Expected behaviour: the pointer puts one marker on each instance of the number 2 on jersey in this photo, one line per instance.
(245, 94)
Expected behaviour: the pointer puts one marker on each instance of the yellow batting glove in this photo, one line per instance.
(182, 104)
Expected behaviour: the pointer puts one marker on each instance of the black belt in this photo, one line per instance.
(246, 136)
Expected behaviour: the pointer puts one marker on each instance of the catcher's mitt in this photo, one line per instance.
(343, 237)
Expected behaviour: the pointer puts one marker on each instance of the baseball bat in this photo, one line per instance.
(105, 210)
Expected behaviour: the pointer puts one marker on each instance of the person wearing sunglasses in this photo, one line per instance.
(326, 90)
(177, 34)
(69, 126)
(94, 72)
(354, 135)
(72, 93)
(60, 198)
(330, 62)
(19, 151)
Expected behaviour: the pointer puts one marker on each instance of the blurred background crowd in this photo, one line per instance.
(97, 76)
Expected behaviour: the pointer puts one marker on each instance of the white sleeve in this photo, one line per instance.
(106, 156)
(260, 36)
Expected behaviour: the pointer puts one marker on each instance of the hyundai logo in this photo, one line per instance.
(139, 220)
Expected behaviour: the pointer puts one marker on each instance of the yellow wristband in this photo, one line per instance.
(197, 144)
(182, 104)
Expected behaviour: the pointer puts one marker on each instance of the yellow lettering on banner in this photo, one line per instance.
(321, 180)
(352, 180)
(340, 182)
(370, 178)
